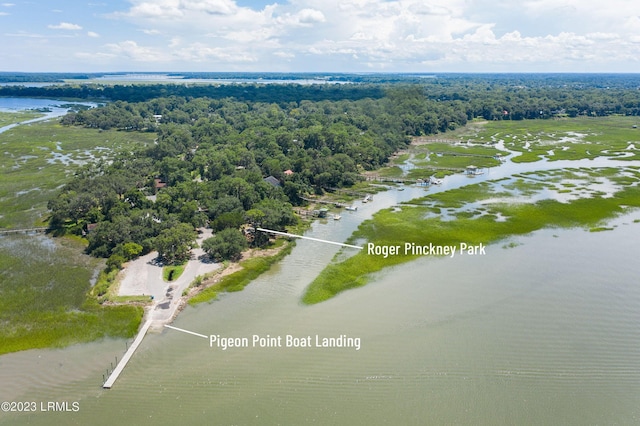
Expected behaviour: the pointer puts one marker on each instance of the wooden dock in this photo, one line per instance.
(463, 154)
(127, 356)
(23, 231)
(333, 203)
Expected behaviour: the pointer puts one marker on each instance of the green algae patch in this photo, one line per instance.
(420, 225)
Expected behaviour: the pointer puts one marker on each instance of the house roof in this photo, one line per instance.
(272, 180)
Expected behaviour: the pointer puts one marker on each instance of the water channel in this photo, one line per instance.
(546, 331)
(51, 108)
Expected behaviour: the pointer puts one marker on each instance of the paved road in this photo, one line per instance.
(143, 276)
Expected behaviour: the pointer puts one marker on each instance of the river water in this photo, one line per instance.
(546, 331)
(52, 107)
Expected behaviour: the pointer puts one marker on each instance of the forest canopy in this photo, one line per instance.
(232, 156)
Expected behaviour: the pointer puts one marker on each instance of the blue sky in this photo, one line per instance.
(320, 35)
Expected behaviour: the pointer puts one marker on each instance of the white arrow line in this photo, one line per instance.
(187, 331)
(286, 234)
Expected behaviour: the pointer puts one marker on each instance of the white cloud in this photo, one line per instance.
(214, 7)
(65, 26)
(169, 9)
(284, 55)
(387, 34)
(153, 10)
(258, 35)
(603, 36)
(95, 56)
(93, 34)
(131, 50)
(8, 4)
(303, 18)
(310, 16)
(200, 52)
(177, 51)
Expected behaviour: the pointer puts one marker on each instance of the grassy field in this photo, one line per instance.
(173, 272)
(44, 282)
(482, 213)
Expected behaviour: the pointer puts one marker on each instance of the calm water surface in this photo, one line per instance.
(546, 331)
(22, 104)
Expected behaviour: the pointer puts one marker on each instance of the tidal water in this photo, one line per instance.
(53, 108)
(543, 330)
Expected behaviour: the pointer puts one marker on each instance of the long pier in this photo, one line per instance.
(127, 356)
(463, 154)
(22, 231)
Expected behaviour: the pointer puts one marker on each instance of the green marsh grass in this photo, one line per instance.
(39, 157)
(43, 297)
(46, 298)
(584, 137)
(400, 159)
(7, 118)
(415, 225)
(391, 172)
(251, 269)
(479, 156)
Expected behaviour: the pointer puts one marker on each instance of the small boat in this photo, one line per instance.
(352, 208)
(337, 217)
(401, 189)
(367, 199)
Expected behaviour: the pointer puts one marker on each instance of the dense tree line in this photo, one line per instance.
(490, 96)
(210, 164)
(235, 161)
(279, 93)
(26, 77)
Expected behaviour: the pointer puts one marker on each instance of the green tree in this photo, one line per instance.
(128, 251)
(115, 261)
(174, 244)
(227, 244)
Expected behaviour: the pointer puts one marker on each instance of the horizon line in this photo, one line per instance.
(328, 72)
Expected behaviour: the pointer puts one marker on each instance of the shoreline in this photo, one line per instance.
(143, 277)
